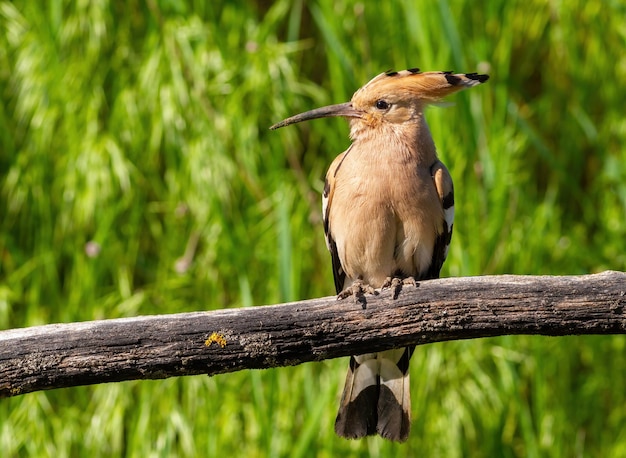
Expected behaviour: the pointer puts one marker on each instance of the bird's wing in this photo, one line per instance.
(327, 200)
(445, 190)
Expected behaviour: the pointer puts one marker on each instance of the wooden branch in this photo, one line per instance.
(153, 347)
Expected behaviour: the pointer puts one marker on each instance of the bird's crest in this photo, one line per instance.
(430, 87)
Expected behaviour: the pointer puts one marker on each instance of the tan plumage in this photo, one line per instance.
(388, 209)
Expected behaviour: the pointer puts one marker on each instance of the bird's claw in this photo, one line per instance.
(358, 290)
(396, 284)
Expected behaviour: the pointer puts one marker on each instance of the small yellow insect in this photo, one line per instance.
(217, 338)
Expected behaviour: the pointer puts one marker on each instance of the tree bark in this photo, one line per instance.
(154, 347)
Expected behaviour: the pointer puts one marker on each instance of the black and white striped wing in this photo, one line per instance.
(445, 190)
(338, 272)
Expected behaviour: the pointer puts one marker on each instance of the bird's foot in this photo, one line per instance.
(396, 284)
(358, 290)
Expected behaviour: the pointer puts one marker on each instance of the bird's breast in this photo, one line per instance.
(384, 218)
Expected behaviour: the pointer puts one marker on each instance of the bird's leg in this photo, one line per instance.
(358, 289)
(396, 283)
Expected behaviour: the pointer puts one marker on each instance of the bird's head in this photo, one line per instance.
(393, 98)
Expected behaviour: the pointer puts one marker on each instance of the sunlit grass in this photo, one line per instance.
(138, 176)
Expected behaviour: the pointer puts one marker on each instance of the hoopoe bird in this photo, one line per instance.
(388, 208)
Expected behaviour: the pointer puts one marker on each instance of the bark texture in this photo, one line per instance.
(154, 347)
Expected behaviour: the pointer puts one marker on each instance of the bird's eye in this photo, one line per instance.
(382, 104)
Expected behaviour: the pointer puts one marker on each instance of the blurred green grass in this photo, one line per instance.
(138, 177)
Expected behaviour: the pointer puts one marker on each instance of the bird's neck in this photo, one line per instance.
(408, 141)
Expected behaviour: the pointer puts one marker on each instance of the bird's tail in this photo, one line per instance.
(376, 397)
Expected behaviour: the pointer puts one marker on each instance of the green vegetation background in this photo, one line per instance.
(138, 176)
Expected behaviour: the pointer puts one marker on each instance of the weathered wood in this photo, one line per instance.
(153, 347)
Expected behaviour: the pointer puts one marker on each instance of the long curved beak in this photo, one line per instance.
(340, 109)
